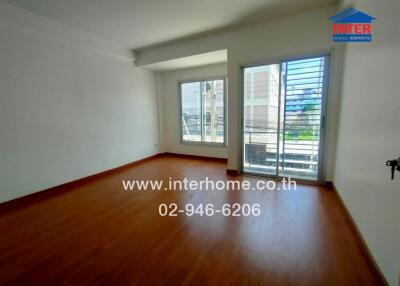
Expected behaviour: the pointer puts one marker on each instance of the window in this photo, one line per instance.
(284, 117)
(203, 111)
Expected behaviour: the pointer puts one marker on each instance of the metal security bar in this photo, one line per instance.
(303, 87)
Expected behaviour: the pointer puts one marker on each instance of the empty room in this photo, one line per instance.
(210, 142)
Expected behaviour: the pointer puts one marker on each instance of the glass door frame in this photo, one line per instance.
(328, 54)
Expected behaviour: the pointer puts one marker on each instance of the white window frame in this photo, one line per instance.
(217, 144)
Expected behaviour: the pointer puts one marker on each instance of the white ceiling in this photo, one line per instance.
(138, 23)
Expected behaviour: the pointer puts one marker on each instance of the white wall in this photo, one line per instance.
(67, 109)
(170, 110)
(369, 134)
(293, 35)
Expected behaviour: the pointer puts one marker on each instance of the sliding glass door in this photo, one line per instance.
(283, 118)
(261, 110)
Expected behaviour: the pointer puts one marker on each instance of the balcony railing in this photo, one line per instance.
(297, 156)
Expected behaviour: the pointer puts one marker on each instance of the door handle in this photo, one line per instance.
(394, 165)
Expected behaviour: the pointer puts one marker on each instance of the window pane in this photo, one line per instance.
(261, 91)
(299, 151)
(203, 117)
(213, 111)
(191, 111)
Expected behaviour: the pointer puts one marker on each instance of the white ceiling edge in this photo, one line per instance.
(203, 59)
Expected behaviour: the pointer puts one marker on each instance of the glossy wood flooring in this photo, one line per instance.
(98, 234)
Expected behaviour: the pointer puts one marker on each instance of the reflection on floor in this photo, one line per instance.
(98, 234)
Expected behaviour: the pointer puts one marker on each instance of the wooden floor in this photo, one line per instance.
(98, 234)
